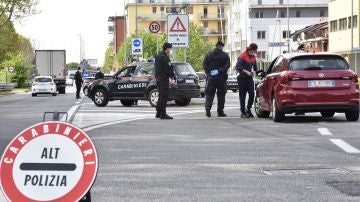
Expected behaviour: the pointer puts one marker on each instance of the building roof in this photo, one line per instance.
(311, 28)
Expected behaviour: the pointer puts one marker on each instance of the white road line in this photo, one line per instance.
(71, 112)
(324, 131)
(345, 146)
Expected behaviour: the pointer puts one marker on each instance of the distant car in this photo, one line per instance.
(69, 81)
(43, 85)
(300, 83)
(137, 82)
(232, 83)
(202, 82)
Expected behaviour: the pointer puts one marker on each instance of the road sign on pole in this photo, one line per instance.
(11, 69)
(154, 27)
(137, 46)
(178, 30)
(50, 161)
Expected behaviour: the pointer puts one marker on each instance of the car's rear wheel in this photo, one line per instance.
(202, 94)
(34, 94)
(183, 101)
(100, 98)
(277, 116)
(86, 91)
(327, 114)
(352, 115)
(127, 103)
(153, 97)
(54, 94)
(260, 113)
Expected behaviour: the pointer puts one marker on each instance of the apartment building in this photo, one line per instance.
(269, 24)
(209, 15)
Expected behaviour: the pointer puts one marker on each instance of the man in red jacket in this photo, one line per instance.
(245, 66)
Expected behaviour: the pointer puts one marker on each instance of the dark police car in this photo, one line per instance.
(137, 82)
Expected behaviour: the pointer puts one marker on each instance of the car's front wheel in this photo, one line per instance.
(352, 115)
(183, 101)
(277, 116)
(234, 90)
(100, 98)
(260, 113)
(127, 103)
(153, 97)
(327, 114)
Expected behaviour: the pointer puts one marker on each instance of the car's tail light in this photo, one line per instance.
(355, 78)
(284, 79)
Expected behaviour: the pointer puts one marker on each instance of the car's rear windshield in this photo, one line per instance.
(326, 62)
(43, 79)
(183, 69)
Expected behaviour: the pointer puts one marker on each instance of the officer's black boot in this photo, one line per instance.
(158, 114)
(165, 116)
(208, 113)
(244, 115)
(248, 112)
(222, 114)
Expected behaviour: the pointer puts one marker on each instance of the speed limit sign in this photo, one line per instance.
(154, 27)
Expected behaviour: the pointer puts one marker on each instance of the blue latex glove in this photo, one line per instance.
(214, 72)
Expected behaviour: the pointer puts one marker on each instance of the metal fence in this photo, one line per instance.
(353, 59)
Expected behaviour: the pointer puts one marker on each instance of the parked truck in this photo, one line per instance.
(52, 63)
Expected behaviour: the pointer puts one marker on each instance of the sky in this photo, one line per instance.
(60, 23)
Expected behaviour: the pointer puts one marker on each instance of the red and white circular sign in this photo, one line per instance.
(50, 161)
(11, 69)
(154, 27)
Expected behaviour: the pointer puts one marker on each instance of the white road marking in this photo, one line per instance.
(324, 131)
(345, 146)
(70, 113)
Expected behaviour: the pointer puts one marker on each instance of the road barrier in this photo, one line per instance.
(6, 87)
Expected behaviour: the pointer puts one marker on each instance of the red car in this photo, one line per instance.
(308, 82)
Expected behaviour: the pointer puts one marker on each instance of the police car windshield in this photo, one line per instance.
(43, 79)
(183, 69)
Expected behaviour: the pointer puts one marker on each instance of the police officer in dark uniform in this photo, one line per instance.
(245, 66)
(78, 82)
(163, 71)
(99, 74)
(216, 65)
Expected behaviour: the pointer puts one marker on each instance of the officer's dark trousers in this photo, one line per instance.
(217, 85)
(163, 89)
(78, 88)
(246, 85)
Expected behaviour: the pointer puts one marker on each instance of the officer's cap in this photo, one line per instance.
(167, 45)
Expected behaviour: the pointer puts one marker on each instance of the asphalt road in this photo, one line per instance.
(195, 158)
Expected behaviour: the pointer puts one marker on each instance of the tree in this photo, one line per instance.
(15, 9)
(109, 60)
(72, 65)
(22, 68)
(197, 50)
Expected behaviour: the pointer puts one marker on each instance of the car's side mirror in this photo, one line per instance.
(261, 73)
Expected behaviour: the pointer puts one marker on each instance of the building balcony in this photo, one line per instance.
(210, 16)
(213, 32)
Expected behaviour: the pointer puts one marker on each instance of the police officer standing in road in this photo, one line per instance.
(216, 65)
(78, 82)
(99, 74)
(245, 66)
(163, 72)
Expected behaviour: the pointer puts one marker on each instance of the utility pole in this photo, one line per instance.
(173, 11)
(288, 26)
(352, 25)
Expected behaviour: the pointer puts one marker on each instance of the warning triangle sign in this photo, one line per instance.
(178, 26)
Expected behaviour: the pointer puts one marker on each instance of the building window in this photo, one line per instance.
(261, 54)
(349, 22)
(322, 13)
(298, 13)
(281, 2)
(355, 22)
(343, 24)
(206, 24)
(286, 34)
(282, 14)
(154, 10)
(261, 34)
(259, 2)
(333, 26)
(259, 14)
(162, 9)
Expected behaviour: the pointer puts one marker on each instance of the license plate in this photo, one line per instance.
(42, 90)
(321, 83)
(189, 81)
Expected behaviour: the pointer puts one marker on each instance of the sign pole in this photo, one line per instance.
(6, 80)
(157, 43)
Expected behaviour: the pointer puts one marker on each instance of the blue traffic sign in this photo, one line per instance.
(136, 42)
(86, 74)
